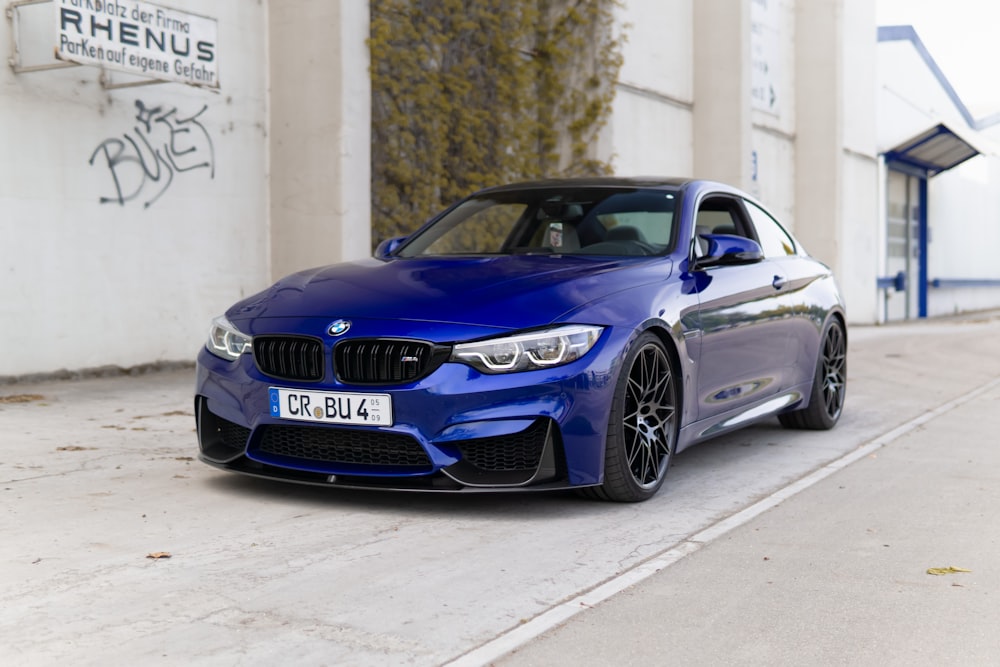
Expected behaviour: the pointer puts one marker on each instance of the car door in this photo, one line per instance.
(744, 338)
(803, 323)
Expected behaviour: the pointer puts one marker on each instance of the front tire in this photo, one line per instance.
(826, 401)
(642, 429)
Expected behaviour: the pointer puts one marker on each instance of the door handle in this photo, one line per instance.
(778, 282)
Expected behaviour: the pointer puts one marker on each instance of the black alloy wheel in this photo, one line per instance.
(642, 430)
(829, 389)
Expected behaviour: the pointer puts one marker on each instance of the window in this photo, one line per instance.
(717, 215)
(774, 241)
(613, 221)
(645, 216)
(475, 227)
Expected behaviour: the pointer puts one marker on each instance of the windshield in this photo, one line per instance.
(567, 221)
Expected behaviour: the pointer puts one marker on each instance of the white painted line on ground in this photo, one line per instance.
(525, 632)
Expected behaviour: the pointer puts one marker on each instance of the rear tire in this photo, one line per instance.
(642, 429)
(826, 400)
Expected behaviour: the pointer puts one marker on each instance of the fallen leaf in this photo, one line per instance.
(73, 448)
(21, 398)
(156, 555)
(939, 571)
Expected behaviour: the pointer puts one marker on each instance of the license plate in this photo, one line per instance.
(328, 407)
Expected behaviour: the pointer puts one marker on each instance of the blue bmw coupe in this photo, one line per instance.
(545, 335)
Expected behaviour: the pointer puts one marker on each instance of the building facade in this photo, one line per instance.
(132, 212)
(941, 188)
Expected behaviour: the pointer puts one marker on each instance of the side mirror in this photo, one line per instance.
(387, 248)
(729, 250)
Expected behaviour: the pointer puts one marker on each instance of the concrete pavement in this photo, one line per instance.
(836, 575)
(765, 547)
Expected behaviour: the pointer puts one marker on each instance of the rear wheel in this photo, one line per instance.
(826, 401)
(642, 429)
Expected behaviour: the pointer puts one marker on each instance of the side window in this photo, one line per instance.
(717, 215)
(774, 240)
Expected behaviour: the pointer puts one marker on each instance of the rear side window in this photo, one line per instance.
(773, 239)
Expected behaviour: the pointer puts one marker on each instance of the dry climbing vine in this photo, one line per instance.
(470, 93)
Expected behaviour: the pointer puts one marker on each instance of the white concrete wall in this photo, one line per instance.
(774, 185)
(858, 263)
(647, 137)
(964, 220)
(649, 132)
(910, 98)
(836, 169)
(320, 141)
(772, 141)
(722, 73)
(774, 96)
(90, 280)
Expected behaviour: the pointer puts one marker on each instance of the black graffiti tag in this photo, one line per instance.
(160, 146)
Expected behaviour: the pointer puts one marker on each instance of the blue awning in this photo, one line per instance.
(931, 152)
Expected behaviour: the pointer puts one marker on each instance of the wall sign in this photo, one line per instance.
(139, 38)
(765, 54)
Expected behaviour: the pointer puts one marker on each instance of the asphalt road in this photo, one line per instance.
(765, 547)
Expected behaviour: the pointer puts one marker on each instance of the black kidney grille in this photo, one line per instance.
(384, 360)
(335, 445)
(518, 451)
(289, 357)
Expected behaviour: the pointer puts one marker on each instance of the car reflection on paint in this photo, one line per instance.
(545, 335)
(740, 391)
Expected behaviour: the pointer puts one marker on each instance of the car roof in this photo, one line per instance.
(595, 181)
(616, 182)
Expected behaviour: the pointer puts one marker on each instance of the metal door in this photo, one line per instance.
(902, 244)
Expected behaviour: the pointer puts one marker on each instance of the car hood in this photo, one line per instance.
(506, 291)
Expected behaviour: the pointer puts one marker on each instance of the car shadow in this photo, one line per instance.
(526, 505)
(692, 467)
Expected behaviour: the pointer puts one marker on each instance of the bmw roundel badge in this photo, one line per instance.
(339, 327)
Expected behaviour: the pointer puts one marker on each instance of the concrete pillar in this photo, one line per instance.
(319, 132)
(836, 164)
(819, 127)
(722, 121)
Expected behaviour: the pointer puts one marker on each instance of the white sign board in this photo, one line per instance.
(765, 56)
(139, 38)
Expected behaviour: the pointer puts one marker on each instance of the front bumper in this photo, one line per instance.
(454, 430)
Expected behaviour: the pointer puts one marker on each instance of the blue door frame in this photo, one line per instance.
(904, 282)
(922, 269)
(933, 151)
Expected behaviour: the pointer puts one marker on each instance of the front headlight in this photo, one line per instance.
(225, 341)
(530, 351)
